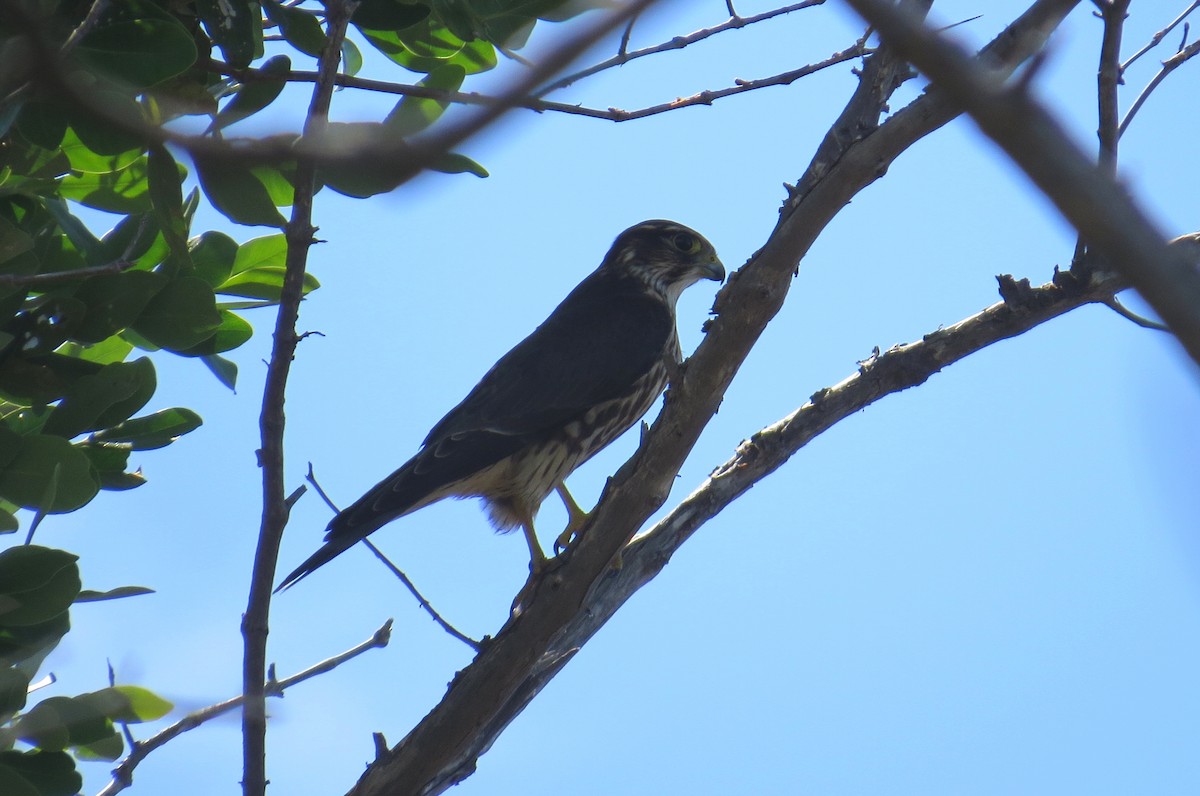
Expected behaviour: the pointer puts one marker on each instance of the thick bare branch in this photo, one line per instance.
(1091, 200)
(513, 667)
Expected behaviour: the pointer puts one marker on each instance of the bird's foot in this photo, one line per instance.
(577, 518)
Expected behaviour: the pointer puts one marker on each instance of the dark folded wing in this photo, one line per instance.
(593, 348)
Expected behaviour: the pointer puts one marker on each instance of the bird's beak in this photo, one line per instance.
(714, 269)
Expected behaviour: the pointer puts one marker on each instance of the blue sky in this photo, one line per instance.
(988, 584)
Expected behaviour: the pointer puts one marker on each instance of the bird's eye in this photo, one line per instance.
(684, 242)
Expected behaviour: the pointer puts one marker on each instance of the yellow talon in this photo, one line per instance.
(576, 518)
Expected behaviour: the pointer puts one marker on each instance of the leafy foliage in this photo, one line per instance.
(83, 104)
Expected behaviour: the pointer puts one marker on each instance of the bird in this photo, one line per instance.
(581, 379)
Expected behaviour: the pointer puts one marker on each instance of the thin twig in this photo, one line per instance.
(1162, 34)
(85, 27)
(138, 751)
(408, 584)
(299, 232)
(678, 43)
(1168, 66)
(57, 277)
(424, 603)
(541, 105)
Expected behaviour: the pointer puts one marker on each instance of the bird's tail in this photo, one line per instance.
(326, 553)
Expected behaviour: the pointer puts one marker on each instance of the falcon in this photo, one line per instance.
(578, 382)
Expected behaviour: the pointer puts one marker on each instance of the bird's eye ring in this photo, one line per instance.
(684, 242)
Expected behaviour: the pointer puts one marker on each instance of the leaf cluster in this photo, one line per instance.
(38, 585)
(92, 97)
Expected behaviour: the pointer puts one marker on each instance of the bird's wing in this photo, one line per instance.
(594, 347)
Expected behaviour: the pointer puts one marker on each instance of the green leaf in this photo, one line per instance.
(152, 431)
(264, 282)
(121, 592)
(125, 191)
(300, 28)
(84, 159)
(130, 238)
(413, 114)
(352, 60)
(147, 382)
(388, 14)
(114, 302)
(225, 370)
(59, 722)
(454, 163)
(232, 333)
(14, 689)
(109, 131)
(140, 705)
(180, 315)
(237, 193)
(43, 460)
(213, 254)
(42, 123)
(427, 45)
(267, 251)
(103, 399)
(114, 349)
(36, 584)
(76, 231)
(278, 182)
(31, 567)
(108, 748)
(139, 52)
(235, 26)
(38, 773)
(167, 196)
(255, 94)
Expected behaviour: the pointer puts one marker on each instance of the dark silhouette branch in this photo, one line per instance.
(707, 97)
(139, 751)
(1090, 199)
(395, 570)
(37, 281)
(624, 55)
(524, 655)
(299, 232)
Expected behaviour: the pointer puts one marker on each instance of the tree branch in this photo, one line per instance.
(624, 56)
(483, 698)
(55, 277)
(1091, 200)
(706, 97)
(1108, 80)
(1162, 34)
(123, 773)
(1168, 66)
(299, 233)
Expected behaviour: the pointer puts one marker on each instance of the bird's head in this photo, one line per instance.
(666, 256)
